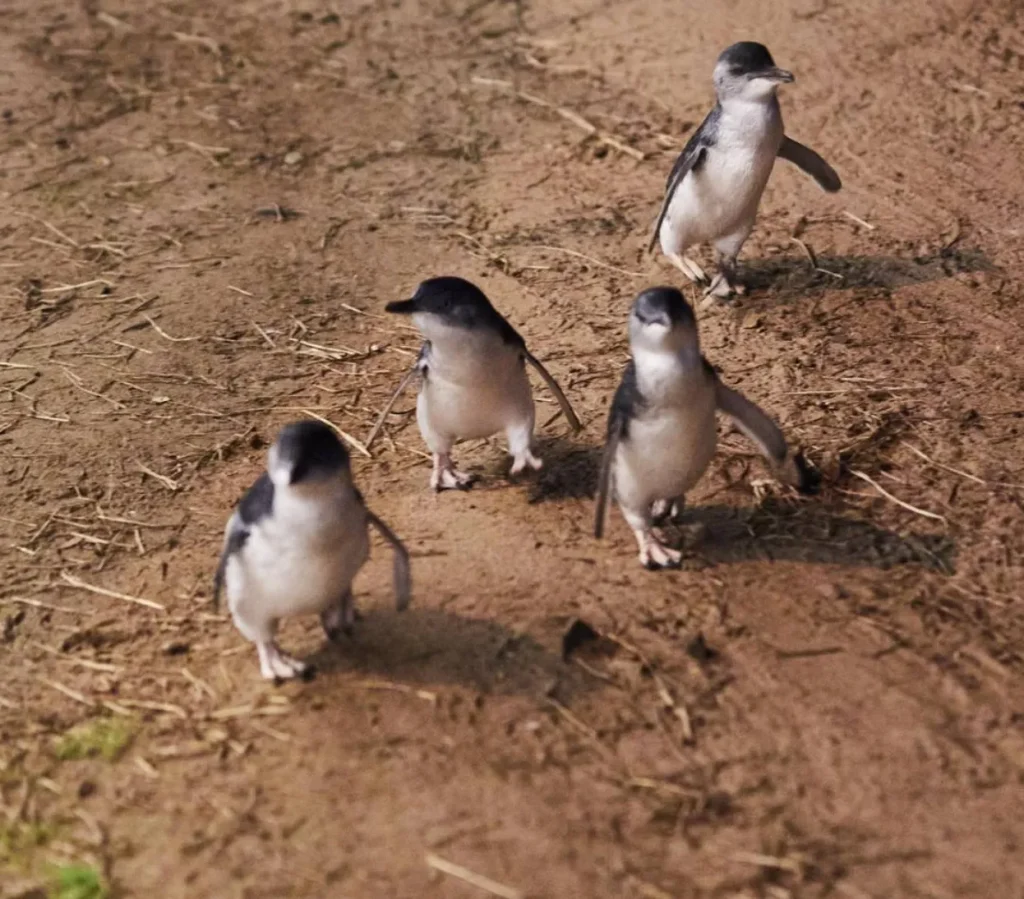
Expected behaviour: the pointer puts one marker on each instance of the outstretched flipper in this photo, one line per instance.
(402, 573)
(807, 160)
(552, 384)
(766, 435)
(419, 367)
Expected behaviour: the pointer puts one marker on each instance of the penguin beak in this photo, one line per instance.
(776, 75)
(403, 307)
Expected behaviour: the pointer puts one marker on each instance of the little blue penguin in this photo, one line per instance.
(661, 431)
(474, 384)
(296, 541)
(716, 184)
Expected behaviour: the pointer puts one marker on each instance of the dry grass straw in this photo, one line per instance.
(471, 877)
(568, 115)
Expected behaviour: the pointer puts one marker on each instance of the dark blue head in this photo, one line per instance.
(747, 70)
(304, 452)
(440, 304)
(662, 319)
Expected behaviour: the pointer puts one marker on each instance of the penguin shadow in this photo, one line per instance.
(788, 274)
(779, 531)
(570, 471)
(431, 646)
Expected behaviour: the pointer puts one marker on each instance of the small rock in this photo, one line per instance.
(86, 788)
(698, 649)
(293, 158)
(175, 648)
(578, 633)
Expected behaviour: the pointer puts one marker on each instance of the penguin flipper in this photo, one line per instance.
(758, 427)
(604, 479)
(419, 367)
(552, 385)
(234, 540)
(689, 160)
(805, 159)
(402, 572)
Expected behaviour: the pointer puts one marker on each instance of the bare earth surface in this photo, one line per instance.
(204, 210)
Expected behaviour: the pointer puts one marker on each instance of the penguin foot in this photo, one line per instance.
(523, 460)
(654, 554)
(689, 268)
(276, 665)
(723, 288)
(450, 479)
(339, 620)
(446, 477)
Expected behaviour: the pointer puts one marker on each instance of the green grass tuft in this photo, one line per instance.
(77, 882)
(106, 738)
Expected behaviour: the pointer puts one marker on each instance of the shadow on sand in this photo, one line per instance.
(785, 274)
(774, 529)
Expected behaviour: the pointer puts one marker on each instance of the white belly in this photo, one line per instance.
(478, 406)
(665, 455)
(287, 568)
(720, 199)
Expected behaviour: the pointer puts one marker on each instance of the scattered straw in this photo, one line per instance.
(169, 483)
(79, 584)
(858, 220)
(767, 861)
(164, 334)
(63, 287)
(963, 474)
(35, 603)
(270, 732)
(145, 767)
(151, 706)
(197, 682)
(584, 256)
(891, 498)
(573, 118)
(471, 877)
(207, 42)
(67, 691)
(396, 688)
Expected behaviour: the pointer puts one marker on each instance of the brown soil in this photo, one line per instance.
(826, 701)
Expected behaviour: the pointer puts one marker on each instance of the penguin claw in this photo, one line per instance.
(524, 461)
(450, 479)
(656, 555)
(278, 666)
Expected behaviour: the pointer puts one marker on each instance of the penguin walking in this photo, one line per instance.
(716, 184)
(474, 384)
(661, 429)
(296, 541)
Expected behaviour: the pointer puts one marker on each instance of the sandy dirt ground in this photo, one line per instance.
(205, 207)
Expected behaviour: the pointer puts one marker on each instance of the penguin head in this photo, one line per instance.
(442, 304)
(747, 71)
(662, 320)
(306, 452)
